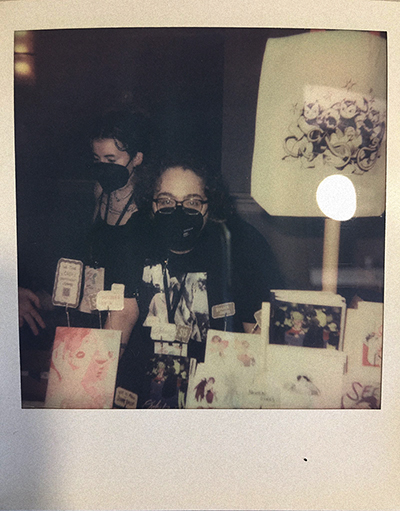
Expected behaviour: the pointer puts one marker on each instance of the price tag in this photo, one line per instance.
(183, 333)
(111, 300)
(67, 283)
(223, 310)
(125, 399)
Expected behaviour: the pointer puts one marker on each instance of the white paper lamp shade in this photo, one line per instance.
(321, 111)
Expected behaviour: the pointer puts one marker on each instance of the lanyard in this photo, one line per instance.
(177, 295)
(121, 216)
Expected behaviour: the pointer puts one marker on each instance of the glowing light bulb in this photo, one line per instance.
(337, 198)
(22, 68)
(21, 48)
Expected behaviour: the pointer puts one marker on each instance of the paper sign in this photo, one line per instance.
(176, 349)
(258, 317)
(183, 333)
(67, 283)
(111, 300)
(125, 399)
(222, 310)
(93, 284)
(163, 332)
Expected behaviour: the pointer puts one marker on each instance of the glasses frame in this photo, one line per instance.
(180, 204)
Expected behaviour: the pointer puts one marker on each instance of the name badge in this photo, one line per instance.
(223, 310)
(67, 283)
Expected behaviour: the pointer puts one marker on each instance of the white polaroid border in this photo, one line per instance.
(227, 459)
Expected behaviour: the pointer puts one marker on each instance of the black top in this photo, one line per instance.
(110, 245)
(231, 262)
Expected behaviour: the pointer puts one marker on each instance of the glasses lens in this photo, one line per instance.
(195, 204)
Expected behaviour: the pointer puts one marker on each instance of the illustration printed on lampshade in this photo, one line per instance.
(338, 128)
(321, 111)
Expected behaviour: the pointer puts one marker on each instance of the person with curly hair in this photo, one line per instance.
(207, 267)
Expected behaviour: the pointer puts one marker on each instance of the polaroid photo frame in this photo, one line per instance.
(268, 459)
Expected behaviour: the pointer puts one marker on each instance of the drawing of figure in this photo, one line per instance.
(80, 363)
(303, 385)
(160, 372)
(295, 336)
(347, 133)
(205, 390)
(372, 349)
(218, 346)
(246, 358)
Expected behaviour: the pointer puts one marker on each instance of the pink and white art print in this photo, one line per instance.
(83, 368)
(321, 111)
(363, 345)
(232, 366)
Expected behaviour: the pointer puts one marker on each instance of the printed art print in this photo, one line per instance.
(166, 382)
(308, 325)
(233, 363)
(184, 302)
(208, 389)
(83, 368)
(363, 345)
(305, 378)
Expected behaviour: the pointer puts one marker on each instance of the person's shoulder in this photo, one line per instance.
(243, 232)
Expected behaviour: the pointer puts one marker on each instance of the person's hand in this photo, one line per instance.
(28, 303)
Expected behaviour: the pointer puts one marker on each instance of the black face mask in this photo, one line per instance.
(111, 176)
(178, 231)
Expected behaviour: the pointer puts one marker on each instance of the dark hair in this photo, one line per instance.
(130, 131)
(220, 203)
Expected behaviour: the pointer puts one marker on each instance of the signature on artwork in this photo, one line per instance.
(362, 396)
(345, 134)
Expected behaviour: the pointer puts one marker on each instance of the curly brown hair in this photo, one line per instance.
(220, 203)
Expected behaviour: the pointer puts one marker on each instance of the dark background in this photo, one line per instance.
(199, 87)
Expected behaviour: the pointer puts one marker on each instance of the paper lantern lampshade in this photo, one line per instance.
(321, 111)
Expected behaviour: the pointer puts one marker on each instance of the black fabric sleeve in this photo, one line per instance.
(254, 269)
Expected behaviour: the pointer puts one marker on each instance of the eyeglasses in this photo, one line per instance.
(167, 206)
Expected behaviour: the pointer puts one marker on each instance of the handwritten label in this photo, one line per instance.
(163, 332)
(67, 283)
(111, 300)
(223, 310)
(183, 333)
(125, 398)
(176, 349)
